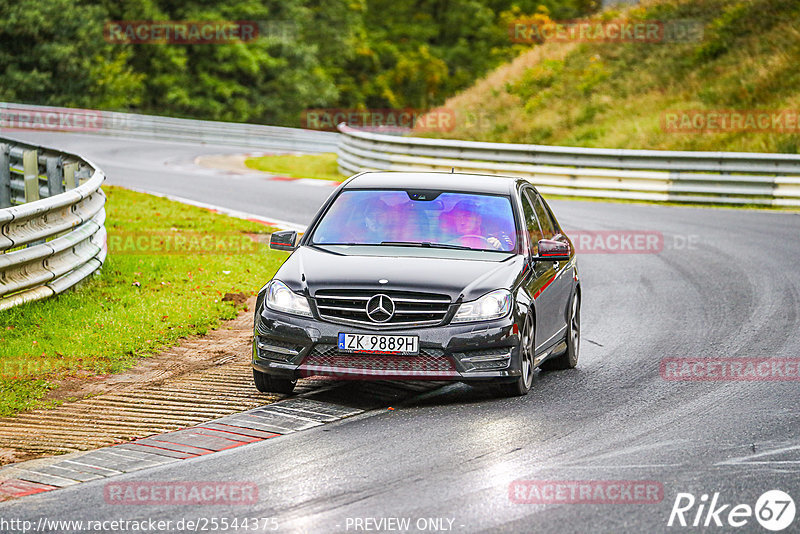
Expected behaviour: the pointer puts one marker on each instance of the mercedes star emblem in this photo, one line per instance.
(380, 308)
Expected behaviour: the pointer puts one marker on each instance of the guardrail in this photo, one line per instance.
(654, 175)
(25, 117)
(52, 215)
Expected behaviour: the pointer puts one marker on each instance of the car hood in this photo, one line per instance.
(314, 269)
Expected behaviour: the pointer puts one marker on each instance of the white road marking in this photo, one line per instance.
(748, 459)
(278, 223)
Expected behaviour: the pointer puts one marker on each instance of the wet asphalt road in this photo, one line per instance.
(168, 168)
(726, 283)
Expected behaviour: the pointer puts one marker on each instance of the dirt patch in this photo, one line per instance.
(203, 378)
(236, 298)
(192, 354)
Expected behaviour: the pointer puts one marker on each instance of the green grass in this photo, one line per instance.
(140, 302)
(615, 95)
(320, 166)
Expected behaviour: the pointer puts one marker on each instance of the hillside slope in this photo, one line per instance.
(624, 95)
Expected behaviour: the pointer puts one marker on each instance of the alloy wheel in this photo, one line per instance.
(526, 354)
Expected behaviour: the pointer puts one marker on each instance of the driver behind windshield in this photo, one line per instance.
(464, 225)
(374, 217)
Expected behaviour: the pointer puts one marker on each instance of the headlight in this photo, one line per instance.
(492, 305)
(281, 298)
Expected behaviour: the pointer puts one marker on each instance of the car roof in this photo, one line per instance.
(473, 183)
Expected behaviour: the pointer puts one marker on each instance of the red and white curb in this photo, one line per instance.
(306, 181)
(197, 167)
(262, 423)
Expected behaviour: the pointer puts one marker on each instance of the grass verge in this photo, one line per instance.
(319, 166)
(732, 56)
(168, 269)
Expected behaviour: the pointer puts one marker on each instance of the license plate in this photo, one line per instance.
(379, 344)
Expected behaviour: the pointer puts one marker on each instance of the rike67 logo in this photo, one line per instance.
(774, 510)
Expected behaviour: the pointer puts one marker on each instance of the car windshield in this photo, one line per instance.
(419, 219)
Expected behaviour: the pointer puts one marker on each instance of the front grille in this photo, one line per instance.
(410, 309)
(327, 360)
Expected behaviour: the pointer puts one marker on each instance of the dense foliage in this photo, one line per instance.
(310, 54)
(743, 59)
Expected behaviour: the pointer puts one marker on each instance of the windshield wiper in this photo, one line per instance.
(426, 244)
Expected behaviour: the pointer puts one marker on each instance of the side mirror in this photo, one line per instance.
(552, 250)
(283, 240)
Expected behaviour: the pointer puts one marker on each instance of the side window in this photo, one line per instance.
(531, 222)
(548, 228)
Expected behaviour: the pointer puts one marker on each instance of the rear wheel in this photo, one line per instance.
(569, 359)
(269, 384)
(523, 384)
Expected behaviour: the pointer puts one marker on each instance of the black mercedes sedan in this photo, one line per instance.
(419, 275)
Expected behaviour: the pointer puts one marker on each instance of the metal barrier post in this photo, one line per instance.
(70, 178)
(30, 169)
(5, 177)
(55, 183)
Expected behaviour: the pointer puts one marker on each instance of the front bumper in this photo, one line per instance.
(288, 346)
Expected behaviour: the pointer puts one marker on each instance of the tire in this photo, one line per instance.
(569, 359)
(269, 384)
(521, 385)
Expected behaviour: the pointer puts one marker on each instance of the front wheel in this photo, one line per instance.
(523, 384)
(569, 359)
(269, 384)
